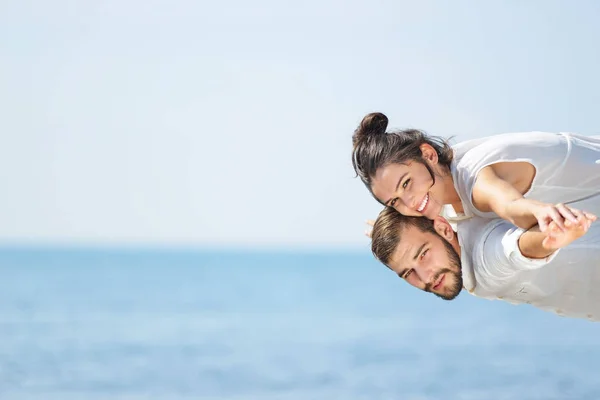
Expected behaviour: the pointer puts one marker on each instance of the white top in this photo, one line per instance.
(566, 283)
(567, 165)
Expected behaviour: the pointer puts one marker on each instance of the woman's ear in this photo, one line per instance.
(429, 153)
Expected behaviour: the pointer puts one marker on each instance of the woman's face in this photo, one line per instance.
(409, 188)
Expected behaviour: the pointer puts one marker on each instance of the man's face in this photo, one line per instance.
(428, 262)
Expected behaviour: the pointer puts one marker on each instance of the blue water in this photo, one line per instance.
(190, 325)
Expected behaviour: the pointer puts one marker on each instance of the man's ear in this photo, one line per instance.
(443, 228)
(428, 153)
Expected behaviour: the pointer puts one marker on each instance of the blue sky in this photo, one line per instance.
(197, 123)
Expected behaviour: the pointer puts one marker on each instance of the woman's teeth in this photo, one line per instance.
(423, 203)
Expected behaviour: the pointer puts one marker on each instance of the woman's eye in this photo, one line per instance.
(405, 184)
(393, 202)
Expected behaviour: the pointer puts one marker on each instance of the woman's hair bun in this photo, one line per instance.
(372, 124)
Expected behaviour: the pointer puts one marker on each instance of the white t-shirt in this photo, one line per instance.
(566, 283)
(567, 171)
(567, 165)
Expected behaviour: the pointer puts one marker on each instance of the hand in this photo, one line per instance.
(545, 214)
(370, 230)
(558, 238)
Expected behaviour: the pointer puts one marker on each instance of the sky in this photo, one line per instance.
(180, 122)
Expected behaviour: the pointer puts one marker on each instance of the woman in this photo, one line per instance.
(506, 176)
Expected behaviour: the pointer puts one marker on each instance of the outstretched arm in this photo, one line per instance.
(500, 187)
(504, 249)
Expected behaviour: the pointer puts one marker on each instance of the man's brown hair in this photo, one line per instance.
(388, 229)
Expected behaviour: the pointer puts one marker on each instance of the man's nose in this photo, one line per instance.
(425, 274)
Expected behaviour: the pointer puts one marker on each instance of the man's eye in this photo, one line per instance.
(423, 253)
(405, 184)
(407, 274)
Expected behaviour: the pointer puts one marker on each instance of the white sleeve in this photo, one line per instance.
(498, 253)
(545, 151)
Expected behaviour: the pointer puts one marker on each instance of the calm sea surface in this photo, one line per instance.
(79, 324)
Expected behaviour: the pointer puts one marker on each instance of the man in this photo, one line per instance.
(490, 258)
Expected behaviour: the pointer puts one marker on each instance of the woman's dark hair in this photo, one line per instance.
(374, 148)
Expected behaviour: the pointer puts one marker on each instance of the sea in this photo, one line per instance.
(133, 324)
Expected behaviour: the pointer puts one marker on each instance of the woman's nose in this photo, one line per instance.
(409, 200)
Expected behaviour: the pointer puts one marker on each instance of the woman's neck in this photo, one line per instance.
(450, 194)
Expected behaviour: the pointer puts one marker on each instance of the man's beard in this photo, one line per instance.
(455, 272)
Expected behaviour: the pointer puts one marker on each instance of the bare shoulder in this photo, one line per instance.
(519, 174)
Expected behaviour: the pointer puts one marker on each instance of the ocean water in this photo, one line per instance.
(101, 324)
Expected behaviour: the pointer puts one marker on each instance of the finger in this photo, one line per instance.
(549, 242)
(553, 228)
(370, 222)
(583, 225)
(542, 224)
(578, 214)
(566, 212)
(590, 216)
(584, 221)
(368, 234)
(557, 217)
(557, 227)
